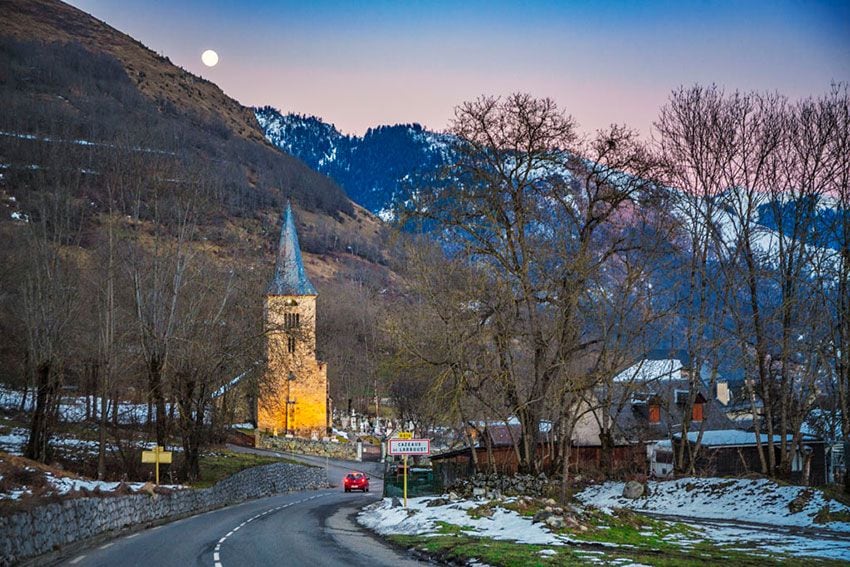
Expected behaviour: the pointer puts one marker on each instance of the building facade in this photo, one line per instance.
(293, 393)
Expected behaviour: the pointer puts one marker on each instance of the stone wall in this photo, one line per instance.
(52, 526)
(494, 485)
(342, 451)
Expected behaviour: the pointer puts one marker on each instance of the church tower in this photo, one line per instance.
(293, 397)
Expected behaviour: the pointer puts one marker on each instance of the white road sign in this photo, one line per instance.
(410, 447)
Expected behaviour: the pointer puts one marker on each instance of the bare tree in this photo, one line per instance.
(539, 215)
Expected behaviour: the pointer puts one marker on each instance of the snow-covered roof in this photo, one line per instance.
(724, 438)
(650, 370)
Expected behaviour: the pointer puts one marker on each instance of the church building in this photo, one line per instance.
(293, 393)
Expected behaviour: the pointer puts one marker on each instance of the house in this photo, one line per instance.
(733, 452)
(655, 399)
(494, 448)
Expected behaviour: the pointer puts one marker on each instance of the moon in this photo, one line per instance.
(210, 58)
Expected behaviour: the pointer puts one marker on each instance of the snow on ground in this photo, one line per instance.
(418, 519)
(742, 500)
(73, 409)
(13, 441)
(796, 545)
(64, 485)
(762, 501)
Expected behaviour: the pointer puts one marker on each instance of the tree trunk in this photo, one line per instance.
(38, 448)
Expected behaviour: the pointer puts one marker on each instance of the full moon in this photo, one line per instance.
(209, 57)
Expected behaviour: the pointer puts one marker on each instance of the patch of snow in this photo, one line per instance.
(826, 548)
(762, 501)
(14, 441)
(418, 519)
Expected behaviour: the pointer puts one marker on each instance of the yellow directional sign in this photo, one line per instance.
(405, 435)
(157, 456)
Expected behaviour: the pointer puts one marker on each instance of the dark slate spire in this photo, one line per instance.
(289, 275)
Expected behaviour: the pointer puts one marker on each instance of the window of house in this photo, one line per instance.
(654, 413)
(697, 412)
(290, 344)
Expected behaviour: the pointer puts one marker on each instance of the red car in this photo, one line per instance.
(356, 481)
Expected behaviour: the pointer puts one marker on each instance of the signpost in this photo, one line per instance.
(157, 455)
(405, 447)
(405, 435)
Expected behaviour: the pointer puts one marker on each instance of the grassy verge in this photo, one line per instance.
(460, 546)
(218, 465)
(622, 538)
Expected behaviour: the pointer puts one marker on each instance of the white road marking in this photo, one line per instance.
(107, 545)
(77, 559)
(216, 555)
(131, 536)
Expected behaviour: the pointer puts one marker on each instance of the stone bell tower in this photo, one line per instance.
(293, 396)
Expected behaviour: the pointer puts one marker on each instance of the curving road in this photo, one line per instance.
(314, 528)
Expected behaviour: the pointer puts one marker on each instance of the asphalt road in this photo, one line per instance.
(314, 528)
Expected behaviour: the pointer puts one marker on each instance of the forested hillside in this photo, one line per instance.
(375, 169)
(141, 208)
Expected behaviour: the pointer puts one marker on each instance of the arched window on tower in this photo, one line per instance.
(290, 344)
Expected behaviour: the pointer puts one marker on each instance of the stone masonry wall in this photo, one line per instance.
(49, 527)
(344, 451)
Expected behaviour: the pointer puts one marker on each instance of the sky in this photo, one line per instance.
(360, 64)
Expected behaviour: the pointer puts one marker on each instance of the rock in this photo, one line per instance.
(540, 516)
(453, 496)
(479, 492)
(633, 489)
(555, 522)
(551, 502)
(437, 502)
(396, 502)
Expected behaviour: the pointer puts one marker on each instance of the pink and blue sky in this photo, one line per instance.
(363, 63)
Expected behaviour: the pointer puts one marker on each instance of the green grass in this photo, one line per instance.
(219, 465)
(635, 538)
(453, 544)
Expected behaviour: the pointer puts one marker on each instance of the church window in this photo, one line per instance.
(290, 344)
(291, 320)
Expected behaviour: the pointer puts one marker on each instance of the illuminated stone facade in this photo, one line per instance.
(293, 396)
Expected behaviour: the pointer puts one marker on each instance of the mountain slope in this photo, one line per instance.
(98, 131)
(373, 169)
(65, 73)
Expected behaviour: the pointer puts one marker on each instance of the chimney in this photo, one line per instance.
(723, 394)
